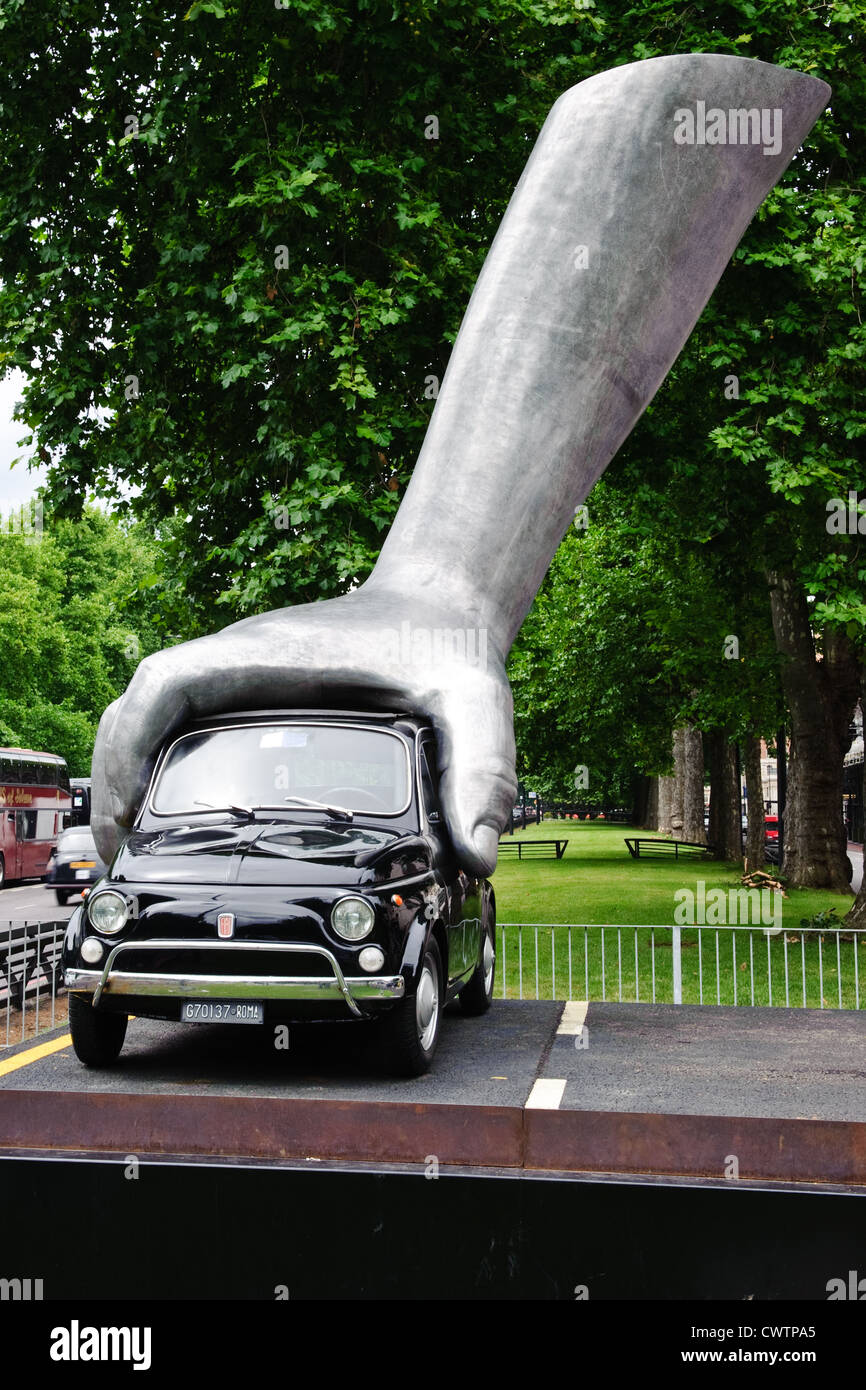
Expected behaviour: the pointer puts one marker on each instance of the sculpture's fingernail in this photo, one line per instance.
(485, 842)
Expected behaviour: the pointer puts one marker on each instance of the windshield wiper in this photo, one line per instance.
(340, 812)
(246, 811)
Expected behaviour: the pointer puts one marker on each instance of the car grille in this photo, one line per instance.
(213, 961)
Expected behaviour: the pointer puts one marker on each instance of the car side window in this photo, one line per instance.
(429, 778)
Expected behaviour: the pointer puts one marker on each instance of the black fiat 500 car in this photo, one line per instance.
(285, 865)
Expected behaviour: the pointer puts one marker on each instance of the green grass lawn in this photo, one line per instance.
(598, 884)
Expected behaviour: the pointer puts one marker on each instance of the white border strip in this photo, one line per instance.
(573, 1017)
(546, 1094)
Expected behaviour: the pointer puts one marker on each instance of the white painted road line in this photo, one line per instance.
(573, 1016)
(545, 1094)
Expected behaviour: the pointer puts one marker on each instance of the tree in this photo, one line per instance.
(238, 243)
(73, 626)
(768, 396)
(629, 640)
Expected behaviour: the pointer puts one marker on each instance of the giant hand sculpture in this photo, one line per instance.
(623, 221)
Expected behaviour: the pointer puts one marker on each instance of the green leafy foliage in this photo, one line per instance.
(629, 638)
(73, 626)
(240, 208)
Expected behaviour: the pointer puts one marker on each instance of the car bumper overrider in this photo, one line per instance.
(111, 980)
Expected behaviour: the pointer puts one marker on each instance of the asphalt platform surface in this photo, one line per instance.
(691, 1060)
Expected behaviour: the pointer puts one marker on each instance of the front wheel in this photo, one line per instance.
(96, 1037)
(410, 1032)
(62, 896)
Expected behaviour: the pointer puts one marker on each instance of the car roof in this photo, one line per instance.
(397, 718)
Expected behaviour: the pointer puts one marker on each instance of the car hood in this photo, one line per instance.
(248, 853)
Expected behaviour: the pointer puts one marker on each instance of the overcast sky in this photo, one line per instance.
(16, 484)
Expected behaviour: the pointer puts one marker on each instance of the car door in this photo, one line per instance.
(9, 845)
(27, 848)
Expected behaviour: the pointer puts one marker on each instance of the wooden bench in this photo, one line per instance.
(28, 951)
(647, 845)
(558, 846)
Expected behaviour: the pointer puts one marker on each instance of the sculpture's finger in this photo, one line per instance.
(476, 762)
(291, 657)
(154, 703)
(203, 677)
(106, 831)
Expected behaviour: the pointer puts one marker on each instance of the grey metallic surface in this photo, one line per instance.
(552, 367)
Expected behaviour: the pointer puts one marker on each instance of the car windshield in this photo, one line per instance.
(260, 766)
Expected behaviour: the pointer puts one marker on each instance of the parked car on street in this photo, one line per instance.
(286, 865)
(74, 863)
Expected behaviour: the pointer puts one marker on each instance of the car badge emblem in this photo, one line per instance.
(226, 924)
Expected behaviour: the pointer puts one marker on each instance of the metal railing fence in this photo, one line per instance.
(801, 968)
(30, 978)
(804, 967)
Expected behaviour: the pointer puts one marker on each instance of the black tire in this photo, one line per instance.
(401, 1032)
(62, 896)
(477, 995)
(96, 1037)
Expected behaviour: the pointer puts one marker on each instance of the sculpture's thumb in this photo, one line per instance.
(478, 782)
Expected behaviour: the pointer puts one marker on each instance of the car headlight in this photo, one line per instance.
(108, 912)
(352, 918)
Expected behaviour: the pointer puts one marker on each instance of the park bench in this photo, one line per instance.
(543, 846)
(647, 845)
(28, 951)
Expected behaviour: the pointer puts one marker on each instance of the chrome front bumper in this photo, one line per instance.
(338, 986)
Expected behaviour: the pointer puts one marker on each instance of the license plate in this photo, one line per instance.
(83, 864)
(221, 1011)
(82, 873)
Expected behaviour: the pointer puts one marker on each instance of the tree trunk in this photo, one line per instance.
(693, 786)
(652, 806)
(666, 801)
(641, 788)
(755, 800)
(725, 830)
(821, 696)
(856, 916)
(679, 781)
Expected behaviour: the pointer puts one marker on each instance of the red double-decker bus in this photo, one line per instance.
(34, 807)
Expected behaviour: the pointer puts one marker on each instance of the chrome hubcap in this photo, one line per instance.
(427, 1007)
(489, 962)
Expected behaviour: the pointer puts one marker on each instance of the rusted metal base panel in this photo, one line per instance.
(503, 1137)
(269, 1128)
(703, 1146)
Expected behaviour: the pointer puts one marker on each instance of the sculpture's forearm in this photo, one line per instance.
(610, 247)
